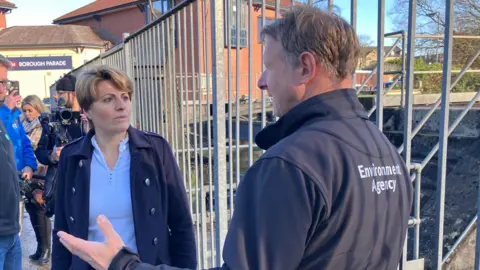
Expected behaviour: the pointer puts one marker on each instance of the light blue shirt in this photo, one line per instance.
(110, 195)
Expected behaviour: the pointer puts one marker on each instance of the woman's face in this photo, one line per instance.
(111, 111)
(30, 112)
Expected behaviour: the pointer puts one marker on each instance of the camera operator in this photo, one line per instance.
(62, 126)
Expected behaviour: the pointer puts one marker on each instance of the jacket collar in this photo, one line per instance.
(136, 138)
(334, 105)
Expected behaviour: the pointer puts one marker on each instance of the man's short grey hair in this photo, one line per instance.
(4, 62)
(327, 36)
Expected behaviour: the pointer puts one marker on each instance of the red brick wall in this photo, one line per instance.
(126, 20)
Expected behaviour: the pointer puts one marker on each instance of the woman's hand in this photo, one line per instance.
(98, 255)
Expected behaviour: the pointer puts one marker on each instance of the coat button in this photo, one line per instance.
(73, 190)
(72, 219)
(152, 211)
(80, 163)
(147, 182)
(155, 241)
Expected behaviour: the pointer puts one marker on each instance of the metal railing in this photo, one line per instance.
(197, 88)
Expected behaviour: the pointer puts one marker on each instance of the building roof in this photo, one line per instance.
(6, 4)
(50, 35)
(96, 7)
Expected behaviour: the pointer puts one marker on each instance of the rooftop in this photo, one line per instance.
(6, 4)
(98, 6)
(50, 35)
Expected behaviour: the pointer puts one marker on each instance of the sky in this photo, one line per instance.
(43, 13)
(48, 10)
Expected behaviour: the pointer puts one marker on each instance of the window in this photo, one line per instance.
(159, 8)
(231, 15)
(260, 26)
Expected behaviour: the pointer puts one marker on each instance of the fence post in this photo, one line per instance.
(444, 127)
(128, 61)
(220, 163)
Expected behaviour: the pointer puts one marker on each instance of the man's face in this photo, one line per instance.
(3, 77)
(278, 78)
(68, 96)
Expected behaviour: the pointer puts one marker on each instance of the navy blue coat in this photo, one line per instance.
(163, 224)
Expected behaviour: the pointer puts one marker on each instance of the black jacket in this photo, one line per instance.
(331, 192)
(47, 141)
(9, 187)
(163, 224)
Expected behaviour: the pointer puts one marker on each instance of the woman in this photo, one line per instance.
(127, 175)
(32, 107)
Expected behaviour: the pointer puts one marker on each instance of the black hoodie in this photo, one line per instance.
(9, 187)
(330, 193)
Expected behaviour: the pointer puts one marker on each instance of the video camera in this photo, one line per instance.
(27, 188)
(58, 121)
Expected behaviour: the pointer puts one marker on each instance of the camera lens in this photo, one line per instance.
(66, 114)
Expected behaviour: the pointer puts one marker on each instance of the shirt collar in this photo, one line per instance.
(122, 147)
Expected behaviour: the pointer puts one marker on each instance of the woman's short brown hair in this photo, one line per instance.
(86, 86)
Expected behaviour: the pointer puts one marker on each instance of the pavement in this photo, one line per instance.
(29, 245)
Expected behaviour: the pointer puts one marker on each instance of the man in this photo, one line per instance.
(49, 146)
(330, 192)
(10, 247)
(10, 116)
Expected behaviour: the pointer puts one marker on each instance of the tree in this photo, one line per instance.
(431, 20)
(323, 4)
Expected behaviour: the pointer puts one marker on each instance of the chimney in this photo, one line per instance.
(3, 20)
(5, 8)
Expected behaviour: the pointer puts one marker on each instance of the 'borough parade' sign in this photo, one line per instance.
(41, 63)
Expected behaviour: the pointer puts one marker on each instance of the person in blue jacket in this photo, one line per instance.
(10, 116)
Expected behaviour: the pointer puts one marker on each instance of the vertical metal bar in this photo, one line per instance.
(174, 82)
(237, 89)
(250, 86)
(171, 72)
(156, 108)
(146, 90)
(409, 98)
(218, 45)
(151, 109)
(230, 110)
(144, 114)
(128, 58)
(158, 80)
(200, 13)
(209, 127)
(137, 82)
(165, 113)
(353, 22)
(418, 185)
(277, 9)
(442, 155)
(182, 122)
(477, 243)
(264, 113)
(187, 106)
(402, 94)
(380, 64)
(198, 196)
(330, 6)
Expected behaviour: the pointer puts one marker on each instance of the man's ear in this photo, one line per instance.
(308, 66)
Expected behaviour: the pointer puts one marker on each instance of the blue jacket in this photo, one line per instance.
(22, 146)
(163, 224)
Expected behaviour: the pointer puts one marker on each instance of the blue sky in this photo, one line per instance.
(367, 14)
(48, 10)
(44, 12)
